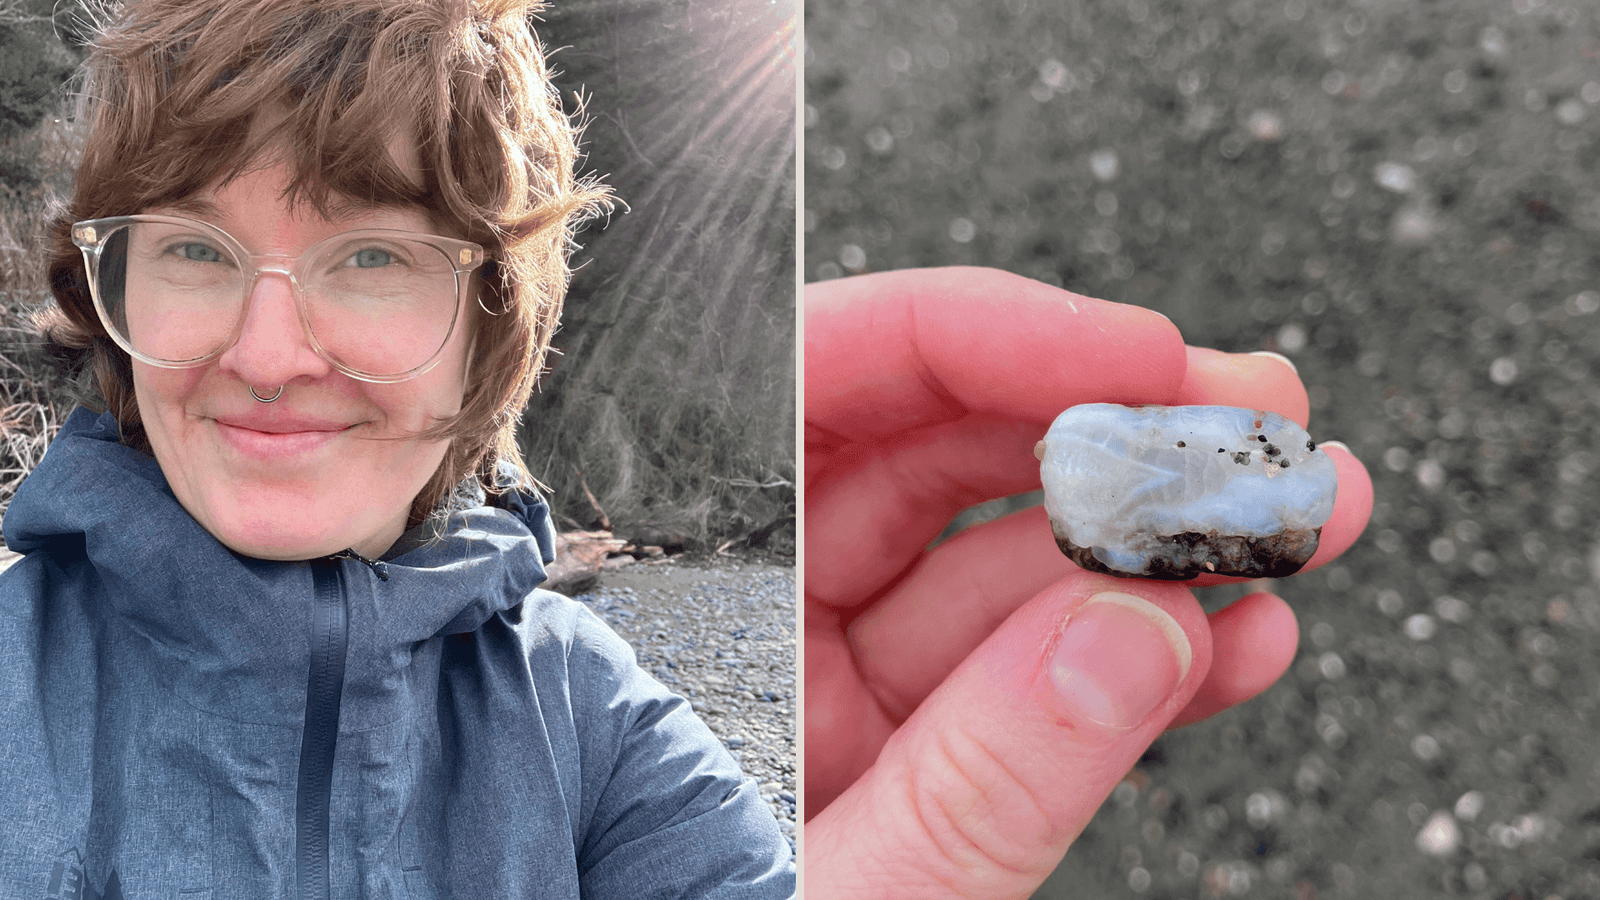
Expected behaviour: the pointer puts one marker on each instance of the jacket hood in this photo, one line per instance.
(234, 628)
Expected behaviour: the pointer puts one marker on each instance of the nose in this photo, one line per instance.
(272, 348)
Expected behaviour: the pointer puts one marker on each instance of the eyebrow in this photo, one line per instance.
(194, 205)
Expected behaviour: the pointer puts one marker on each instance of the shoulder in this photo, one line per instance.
(577, 661)
(568, 662)
(555, 630)
(24, 584)
(45, 613)
(30, 583)
(659, 793)
(48, 657)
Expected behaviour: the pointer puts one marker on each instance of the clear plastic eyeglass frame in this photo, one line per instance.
(91, 236)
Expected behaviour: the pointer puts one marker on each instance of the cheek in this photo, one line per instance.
(422, 402)
(454, 391)
(455, 370)
(443, 400)
(161, 394)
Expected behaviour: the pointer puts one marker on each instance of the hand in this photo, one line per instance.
(969, 708)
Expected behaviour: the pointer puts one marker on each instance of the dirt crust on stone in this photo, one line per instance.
(1192, 553)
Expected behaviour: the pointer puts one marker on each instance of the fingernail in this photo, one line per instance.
(1277, 356)
(1118, 658)
(1340, 444)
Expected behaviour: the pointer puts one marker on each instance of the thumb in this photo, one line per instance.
(980, 792)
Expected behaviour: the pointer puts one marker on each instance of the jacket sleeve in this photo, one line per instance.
(666, 811)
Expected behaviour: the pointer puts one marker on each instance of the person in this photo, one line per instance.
(968, 708)
(277, 629)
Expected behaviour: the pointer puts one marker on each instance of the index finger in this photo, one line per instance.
(894, 351)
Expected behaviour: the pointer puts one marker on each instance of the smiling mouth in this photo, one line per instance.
(282, 441)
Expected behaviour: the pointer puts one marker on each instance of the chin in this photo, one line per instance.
(269, 544)
(261, 524)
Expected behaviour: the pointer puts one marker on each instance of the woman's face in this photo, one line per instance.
(330, 464)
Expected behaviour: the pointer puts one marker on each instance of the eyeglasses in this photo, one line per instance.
(378, 305)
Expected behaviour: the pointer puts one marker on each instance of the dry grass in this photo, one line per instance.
(34, 395)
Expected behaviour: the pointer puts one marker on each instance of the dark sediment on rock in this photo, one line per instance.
(1192, 553)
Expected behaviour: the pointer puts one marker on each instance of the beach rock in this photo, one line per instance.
(1176, 492)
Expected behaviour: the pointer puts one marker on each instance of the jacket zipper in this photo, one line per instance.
(330, 630)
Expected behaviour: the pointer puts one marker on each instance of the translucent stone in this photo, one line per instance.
(1175, 492)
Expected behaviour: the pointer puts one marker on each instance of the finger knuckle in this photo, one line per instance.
(979, 813)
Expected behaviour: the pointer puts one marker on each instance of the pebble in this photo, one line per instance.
(1440, 836)
(1172, 492)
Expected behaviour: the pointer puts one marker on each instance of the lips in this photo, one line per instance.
(280, 436)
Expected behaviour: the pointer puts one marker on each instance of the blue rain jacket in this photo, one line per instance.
(178, 721)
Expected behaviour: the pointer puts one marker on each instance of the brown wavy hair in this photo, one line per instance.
(169, 93)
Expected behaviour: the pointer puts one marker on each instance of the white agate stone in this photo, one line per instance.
(1172, 492)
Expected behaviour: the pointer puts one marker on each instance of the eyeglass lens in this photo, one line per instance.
(379, 305)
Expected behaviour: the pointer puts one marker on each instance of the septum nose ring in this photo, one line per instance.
(266, 399)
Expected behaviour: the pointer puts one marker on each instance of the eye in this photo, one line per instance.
(197, 252)
(372, 258)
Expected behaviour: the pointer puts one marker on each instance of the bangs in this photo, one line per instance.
(314, 92)
(222, 154)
